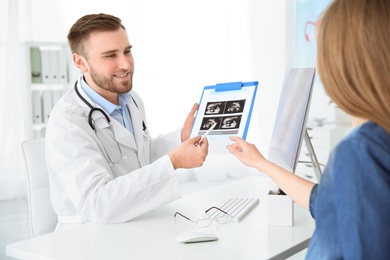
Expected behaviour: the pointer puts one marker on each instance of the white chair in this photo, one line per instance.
(42, 217)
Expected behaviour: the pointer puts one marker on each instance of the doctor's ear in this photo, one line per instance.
(80, 62)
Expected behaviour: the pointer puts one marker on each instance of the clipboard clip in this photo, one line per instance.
(233, 86)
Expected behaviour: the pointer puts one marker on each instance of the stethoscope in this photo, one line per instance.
(91, 124)
(92, 109)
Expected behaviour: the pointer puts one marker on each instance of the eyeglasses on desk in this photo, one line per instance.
(205, 222)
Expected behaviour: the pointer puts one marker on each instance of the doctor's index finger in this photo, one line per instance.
(202, 142)
(205, 141)
(194, 140)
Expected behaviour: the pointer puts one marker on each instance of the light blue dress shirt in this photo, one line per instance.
(120, 112)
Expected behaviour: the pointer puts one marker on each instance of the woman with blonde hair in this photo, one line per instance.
(351, 203)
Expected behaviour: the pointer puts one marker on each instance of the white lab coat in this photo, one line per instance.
(85, 186)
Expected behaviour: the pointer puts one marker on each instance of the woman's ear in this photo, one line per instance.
(80, 62)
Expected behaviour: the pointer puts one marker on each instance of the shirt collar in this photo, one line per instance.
(101, 101)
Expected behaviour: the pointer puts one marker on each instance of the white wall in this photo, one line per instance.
(181, 46)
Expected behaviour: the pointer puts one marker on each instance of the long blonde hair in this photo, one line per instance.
(353, 57)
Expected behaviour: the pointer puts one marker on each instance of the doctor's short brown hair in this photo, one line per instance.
(88, 24)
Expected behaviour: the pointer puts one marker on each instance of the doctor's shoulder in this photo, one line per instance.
(67, 110)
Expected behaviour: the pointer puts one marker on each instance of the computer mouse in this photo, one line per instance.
(196, 236)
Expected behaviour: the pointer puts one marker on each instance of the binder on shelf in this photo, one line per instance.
(63, 75)
(37, 107)
(47, 105)
(35, 65)
(54, 72)
(230, 106)
(50, 58)
(46, 68)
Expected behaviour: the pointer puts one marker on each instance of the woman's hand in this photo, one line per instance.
(247, 153)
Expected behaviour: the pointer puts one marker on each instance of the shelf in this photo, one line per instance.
(38, 127)
(50, 73)
(48, 87)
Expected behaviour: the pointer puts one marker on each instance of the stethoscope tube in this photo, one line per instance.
(91, 124)
(93, 109)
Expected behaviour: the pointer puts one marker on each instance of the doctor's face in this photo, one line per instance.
(110, 64)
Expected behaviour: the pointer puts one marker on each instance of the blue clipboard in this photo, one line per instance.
(229, 106)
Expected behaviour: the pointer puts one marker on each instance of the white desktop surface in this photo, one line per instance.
(153, 235)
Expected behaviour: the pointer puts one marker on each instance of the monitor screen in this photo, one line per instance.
(291, 117)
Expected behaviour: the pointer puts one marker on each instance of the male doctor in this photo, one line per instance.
(103, 165)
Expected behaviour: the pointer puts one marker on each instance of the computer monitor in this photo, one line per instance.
(291, 118)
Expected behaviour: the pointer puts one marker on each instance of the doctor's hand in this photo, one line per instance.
(189, 155)
(186, 130)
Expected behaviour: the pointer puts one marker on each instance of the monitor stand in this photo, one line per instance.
(313, 157)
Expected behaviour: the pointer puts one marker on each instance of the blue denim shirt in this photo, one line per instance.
(351, 205)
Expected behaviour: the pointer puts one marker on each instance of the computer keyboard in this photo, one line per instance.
(238, 208)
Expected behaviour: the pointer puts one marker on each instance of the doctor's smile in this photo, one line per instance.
(122, 75)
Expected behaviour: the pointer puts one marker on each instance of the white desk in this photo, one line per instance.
(153, 235)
